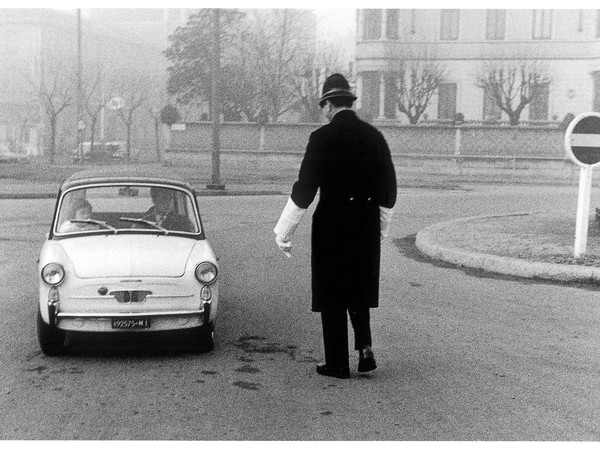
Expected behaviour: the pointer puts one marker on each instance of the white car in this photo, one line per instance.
(126, 252)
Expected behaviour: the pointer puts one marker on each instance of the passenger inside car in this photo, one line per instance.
(83, 211)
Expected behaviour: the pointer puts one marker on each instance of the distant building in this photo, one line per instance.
(149, 26)
(566, 41)
(36, 44)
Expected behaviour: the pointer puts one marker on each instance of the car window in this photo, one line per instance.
(142, 208)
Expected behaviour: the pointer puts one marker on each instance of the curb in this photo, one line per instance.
(427, 243)
(27, 196)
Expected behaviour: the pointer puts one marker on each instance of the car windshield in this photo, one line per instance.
(135, 208)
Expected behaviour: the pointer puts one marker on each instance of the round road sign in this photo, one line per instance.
(582, 139)
(115, 103)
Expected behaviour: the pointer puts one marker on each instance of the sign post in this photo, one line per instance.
(582, 143)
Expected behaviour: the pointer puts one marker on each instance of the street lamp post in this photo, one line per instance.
(80, 122)
(214, 103)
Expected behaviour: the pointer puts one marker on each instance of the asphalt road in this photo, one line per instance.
(461, 355)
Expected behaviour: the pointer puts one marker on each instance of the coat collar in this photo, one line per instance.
(344, 114)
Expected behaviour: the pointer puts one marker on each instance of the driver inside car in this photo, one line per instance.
(162, 212)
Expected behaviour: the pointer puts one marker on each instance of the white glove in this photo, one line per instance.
(288, 221)
(284, 246)
(385, 218)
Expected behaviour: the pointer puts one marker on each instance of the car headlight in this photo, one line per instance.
(206, 272)
(53, 274)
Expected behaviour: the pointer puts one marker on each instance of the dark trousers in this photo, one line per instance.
(335, 334)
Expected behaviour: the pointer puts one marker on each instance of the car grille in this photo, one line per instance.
(130, 296)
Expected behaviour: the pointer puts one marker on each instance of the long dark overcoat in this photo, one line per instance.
(350, 162)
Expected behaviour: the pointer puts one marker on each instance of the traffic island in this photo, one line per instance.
(529, 245)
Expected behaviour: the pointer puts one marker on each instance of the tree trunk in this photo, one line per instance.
(157, 135)
(52, 138)
(92, 132)
(128, 142)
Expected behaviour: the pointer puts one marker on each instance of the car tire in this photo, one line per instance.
(205, 340)
(51, 339)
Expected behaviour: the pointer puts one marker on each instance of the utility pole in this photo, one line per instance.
(80, 122)
(214, 102)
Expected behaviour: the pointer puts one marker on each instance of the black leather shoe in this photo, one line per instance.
(366, 360)
(324, 369)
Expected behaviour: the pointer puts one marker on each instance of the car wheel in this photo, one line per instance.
(51, 339)
(205, 341)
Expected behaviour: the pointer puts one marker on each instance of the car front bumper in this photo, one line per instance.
(162, 306)
(158, 321)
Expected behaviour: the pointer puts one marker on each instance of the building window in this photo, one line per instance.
(542, 23)
(392, 24)
(496, 24)
(391, 94)
(413, 21)
(449, 25)
(491, 110)
(372, 24)
(538, 108)
(447, 101)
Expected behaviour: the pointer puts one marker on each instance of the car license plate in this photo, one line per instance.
(129, 324)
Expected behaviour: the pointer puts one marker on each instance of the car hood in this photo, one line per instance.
(128, 255)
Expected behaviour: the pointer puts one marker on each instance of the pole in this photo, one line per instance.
(457, 139)
(583, 211)
(102, 117)
(214, 103)
(79, 90)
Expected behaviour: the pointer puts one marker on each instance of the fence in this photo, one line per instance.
(467, 140)
(525, 153)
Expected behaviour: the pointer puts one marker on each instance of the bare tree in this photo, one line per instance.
(95, 98)
(280, 41)
(312, 73)
(262, 53)
(512, 85)
(56, 92)
(134, 90)
(417, 81)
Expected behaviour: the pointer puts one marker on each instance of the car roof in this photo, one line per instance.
(126, 175)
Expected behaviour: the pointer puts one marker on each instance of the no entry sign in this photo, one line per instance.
(582, 143)
(582, 139)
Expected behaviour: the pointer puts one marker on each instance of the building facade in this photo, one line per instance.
(565, 42)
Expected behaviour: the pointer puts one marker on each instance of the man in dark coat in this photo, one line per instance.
(350, 162)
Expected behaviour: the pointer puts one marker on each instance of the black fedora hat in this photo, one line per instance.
(336, 85)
